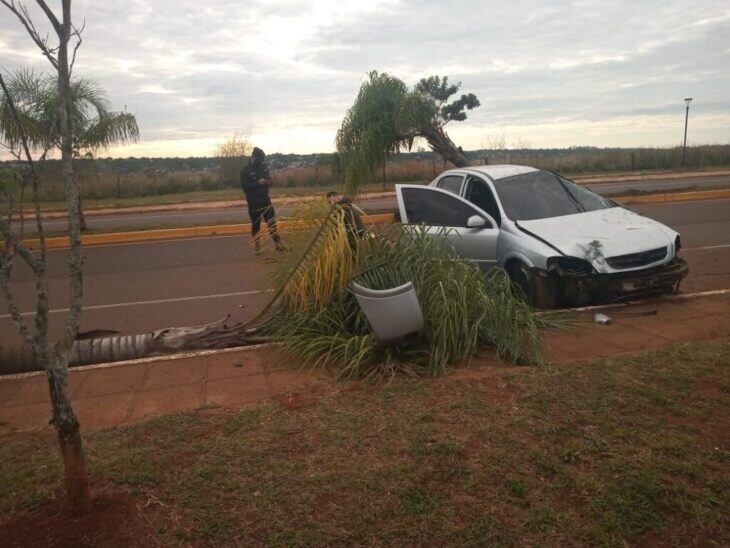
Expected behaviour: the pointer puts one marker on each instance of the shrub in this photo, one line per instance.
(320, 321)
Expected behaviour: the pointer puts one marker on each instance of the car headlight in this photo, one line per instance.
(677, 245)
(569, 265)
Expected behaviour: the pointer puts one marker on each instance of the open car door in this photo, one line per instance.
(470, 231)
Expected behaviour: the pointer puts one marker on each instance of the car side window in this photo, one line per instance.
(452, 183)
(479, 194)
(433, 208)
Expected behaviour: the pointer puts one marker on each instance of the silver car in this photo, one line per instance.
(560, 242)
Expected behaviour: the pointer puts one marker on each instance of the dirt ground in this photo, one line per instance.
(630, 450)
(127, 393)
(116, 519)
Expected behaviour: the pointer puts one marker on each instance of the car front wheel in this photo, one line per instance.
(539, 291)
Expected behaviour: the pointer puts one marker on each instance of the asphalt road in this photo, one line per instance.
(129, 221)
(139, 287)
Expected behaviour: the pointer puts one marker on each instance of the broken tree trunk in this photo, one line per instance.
(129, 347)
(441, 143)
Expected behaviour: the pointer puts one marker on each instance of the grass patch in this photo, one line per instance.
(588, 453)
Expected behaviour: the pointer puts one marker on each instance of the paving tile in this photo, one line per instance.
(175, 372)
(238, 391)
(293, 380)
(233, 366)
(25, 416)
(160, 401)
(714, 304)
(98, 411)
(715, 326)
(677, 330)
(8, 388)
(281, 362)
(33, 390)
(108, 380)
(628, 338)
(577, 345)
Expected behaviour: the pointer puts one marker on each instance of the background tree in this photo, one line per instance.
(95, 126)
(387, 117)
(53, 355)
(232, 156)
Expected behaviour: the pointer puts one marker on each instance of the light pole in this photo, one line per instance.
(687, 101)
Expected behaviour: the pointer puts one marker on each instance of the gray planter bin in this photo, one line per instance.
(392, 313)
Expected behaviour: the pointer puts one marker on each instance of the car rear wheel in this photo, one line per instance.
(539, 291)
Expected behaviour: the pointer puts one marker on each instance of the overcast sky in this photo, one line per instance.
(549, 73)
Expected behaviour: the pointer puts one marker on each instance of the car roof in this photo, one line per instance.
(500, 171)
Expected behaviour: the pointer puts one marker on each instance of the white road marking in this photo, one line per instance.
(674, 202)
(678, 297)
(157, 301)
(704, 247)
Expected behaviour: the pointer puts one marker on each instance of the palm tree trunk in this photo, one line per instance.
(441, 143)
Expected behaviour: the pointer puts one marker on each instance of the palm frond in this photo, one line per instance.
(94, 125)
(320, 322)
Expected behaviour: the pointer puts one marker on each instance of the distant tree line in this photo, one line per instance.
(138, 177)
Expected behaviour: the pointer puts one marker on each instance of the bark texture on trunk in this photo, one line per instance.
(64, 418)
(105, 349)
(441, 143)
(54, 358)
(69, 438)
(75, 260)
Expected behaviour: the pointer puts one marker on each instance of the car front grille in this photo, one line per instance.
(633, 260)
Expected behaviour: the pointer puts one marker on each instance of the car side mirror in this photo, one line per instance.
(477, 221)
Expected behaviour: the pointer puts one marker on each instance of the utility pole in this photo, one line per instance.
(687, 101)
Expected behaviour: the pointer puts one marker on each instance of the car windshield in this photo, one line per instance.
(540, 195)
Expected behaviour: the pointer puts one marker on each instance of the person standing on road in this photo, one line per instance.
(351, 215)
(256, 181)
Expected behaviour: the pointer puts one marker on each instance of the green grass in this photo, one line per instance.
(626, 450)
(227, 194)
(198, 196)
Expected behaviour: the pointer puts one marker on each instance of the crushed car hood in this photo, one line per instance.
(595, 235)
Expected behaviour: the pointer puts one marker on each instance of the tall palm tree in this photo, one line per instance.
(387, 117)
(95, 126)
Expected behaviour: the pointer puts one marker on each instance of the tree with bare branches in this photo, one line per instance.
(52, 354)
(232, 155)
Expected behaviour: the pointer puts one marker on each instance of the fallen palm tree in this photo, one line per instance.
(91, 348)
(318, 319)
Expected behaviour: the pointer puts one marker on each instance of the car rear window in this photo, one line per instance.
(541, 195)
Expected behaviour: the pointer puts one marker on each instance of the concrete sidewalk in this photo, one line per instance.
(124, 393)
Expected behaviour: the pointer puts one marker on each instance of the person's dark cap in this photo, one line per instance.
(331, 194)
(258, 153)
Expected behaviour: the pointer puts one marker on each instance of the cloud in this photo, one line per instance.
(562, 72)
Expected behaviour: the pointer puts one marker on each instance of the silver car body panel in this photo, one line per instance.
(478, 244)
(594, 236)
(603, 234)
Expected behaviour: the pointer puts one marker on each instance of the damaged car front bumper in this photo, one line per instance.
(579, 287)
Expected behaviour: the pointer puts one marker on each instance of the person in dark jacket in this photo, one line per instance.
(255, 182)
(351, 217)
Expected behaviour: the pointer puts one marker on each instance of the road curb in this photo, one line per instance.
(274, 345)
(675, 196)
(149, 359)
(61, 242)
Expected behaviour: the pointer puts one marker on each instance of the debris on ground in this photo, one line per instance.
(602, 319)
